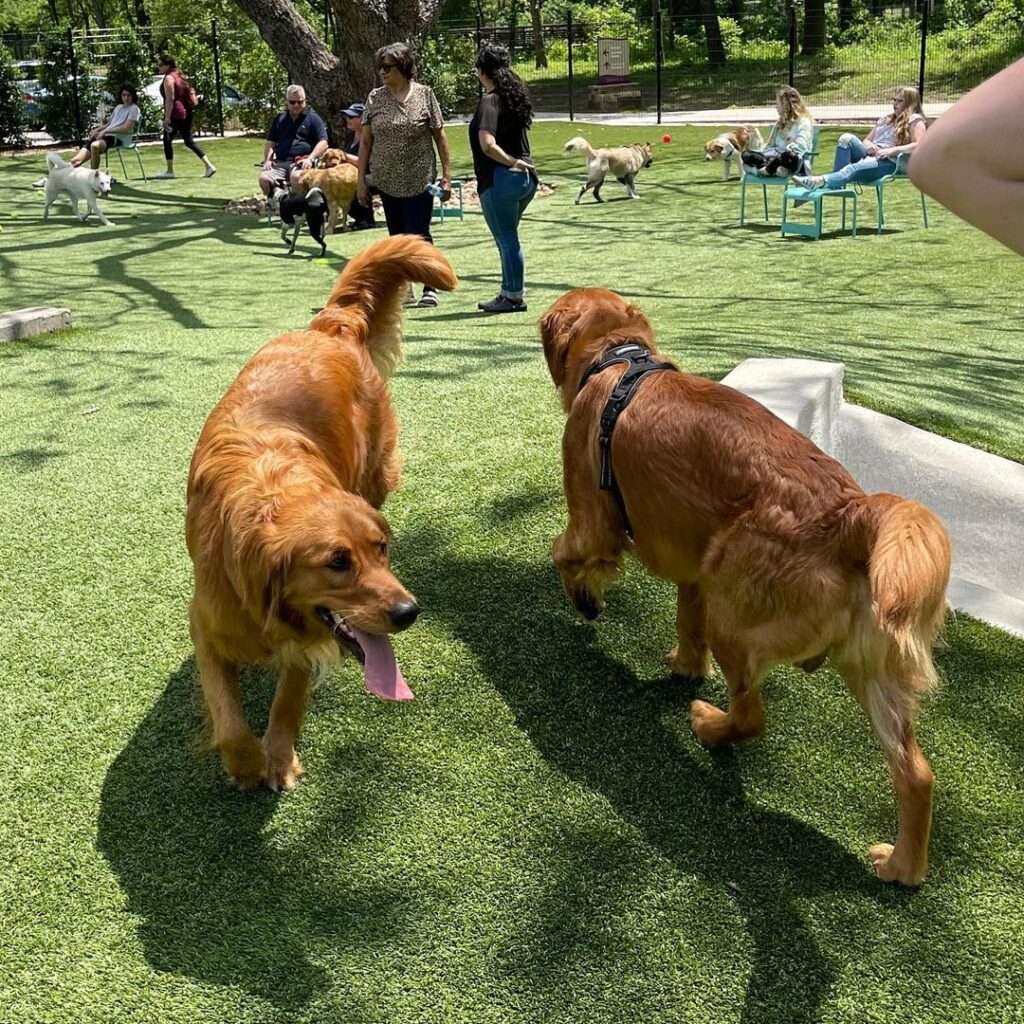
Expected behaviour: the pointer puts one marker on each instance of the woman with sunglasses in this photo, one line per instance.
(402, 125)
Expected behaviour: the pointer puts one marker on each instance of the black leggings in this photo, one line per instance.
(184, 129)
(408, 215)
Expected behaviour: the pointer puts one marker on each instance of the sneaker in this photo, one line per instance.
(810, 182)
(39, 182)
(166, 176)
(210, 171)
(362, 225)
(503, 304)
(429, 299)
(484, 305)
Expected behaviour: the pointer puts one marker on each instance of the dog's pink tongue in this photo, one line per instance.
(383, 676)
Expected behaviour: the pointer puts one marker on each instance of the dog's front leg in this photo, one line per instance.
(727, 168)
(240, 751)
(94, 207)
(583, 189)
(690, 656)
(286, 714)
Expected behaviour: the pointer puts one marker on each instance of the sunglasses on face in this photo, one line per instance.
(386, 67)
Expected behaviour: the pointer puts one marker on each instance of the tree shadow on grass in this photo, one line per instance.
(216, 900)
(629, 741)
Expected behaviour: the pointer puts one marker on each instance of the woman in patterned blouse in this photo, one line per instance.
(402, 124)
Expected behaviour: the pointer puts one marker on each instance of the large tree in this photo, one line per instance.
(333, 80)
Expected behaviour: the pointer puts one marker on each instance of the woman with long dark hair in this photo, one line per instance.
(505, 177)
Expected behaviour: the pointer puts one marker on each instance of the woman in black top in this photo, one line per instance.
(505, 177)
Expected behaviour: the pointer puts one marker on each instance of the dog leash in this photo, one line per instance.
(639, 363)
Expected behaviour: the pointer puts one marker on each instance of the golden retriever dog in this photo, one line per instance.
(623, 163)
(337, 179)
(289, 550)
(732, 144)
(778, 556)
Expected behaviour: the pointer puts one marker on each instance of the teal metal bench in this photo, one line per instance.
(447, 211)
(131, 146)
(816, 196)
(900, 174)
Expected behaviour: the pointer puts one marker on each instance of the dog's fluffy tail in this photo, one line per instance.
(908, 558)
(579, 145)
(54, 162)
(372, 286)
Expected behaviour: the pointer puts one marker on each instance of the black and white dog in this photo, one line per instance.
(294, 210)
(775, 165)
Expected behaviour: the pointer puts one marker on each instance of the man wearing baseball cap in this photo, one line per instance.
(362, 216)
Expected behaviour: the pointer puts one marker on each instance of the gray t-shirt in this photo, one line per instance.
(123, 113)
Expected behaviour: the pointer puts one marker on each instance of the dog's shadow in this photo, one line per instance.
(630, 741)
(216, 900)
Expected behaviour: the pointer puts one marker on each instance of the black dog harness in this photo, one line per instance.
(639, 363)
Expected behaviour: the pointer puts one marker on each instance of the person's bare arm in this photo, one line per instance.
(972, 161)
(490, 146)
(365, 145)
(917, 132)
(168, 90)
(441, 141)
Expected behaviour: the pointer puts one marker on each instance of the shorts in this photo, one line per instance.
(112, 141)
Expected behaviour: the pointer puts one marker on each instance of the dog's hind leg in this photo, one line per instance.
(240, 751)
(597, 190)
(745, 718)
(583, 189)
(690, 656)
(286, 714)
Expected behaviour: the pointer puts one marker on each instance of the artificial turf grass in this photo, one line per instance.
(538, 836)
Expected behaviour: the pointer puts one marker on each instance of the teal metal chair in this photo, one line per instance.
(447, 211)
(131, 146)
(766, 182)
(900, 174)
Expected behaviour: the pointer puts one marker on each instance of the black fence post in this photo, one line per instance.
(75, 99)
(924, 48)
(791, 15)
(659, 53)
(216, 79)
(568, 34)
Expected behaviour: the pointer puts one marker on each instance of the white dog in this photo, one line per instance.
(77, 183)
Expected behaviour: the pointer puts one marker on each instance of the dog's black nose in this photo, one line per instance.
(403, 614)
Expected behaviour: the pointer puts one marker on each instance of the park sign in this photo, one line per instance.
(613, 60)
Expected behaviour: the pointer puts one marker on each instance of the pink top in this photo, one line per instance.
(178, 109)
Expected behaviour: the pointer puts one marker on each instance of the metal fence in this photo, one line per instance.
(699, 62)
(677, 63)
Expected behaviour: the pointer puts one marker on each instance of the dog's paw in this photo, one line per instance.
(708, 722)
(890, 869)
(244, 762)
(696, 665)
(283, 768)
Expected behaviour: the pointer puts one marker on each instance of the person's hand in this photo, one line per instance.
(871, 149)
(446, 190)
(363, 192)
(268, 164)
(883, 154)
(520, 165)
(302, 163)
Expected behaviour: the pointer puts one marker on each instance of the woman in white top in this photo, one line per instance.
(895, 134)
(116, 132)
(794, 130)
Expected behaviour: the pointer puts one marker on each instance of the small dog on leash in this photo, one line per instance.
(774, 165)
(294, 210)
(623, 163)
(78, 183)
(732, 144)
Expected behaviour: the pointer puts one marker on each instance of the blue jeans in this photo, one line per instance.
(852, 164)
(503, 205)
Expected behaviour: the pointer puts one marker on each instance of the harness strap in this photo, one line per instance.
(639, 363)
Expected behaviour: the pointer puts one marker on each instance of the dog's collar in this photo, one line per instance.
(639, 362)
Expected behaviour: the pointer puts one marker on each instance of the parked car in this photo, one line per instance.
(33, 92)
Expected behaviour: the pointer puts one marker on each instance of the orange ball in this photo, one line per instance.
(666, 137)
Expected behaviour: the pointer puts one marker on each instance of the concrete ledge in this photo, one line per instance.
(24, 323)
(806, 393)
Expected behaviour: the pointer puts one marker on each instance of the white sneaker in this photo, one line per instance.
(163, 177)
(210, 171)
(39, 182)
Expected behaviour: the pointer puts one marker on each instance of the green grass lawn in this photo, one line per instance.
(537, 837)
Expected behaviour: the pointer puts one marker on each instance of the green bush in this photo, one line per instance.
(12, 111)
(445, 63)
(262, 81)
(58, 105)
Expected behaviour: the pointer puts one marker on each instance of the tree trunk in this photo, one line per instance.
(539, 53)
(333, 81)
(713, 33)
(814, 27)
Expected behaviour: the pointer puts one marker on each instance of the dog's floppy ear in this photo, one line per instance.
(555, 326)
